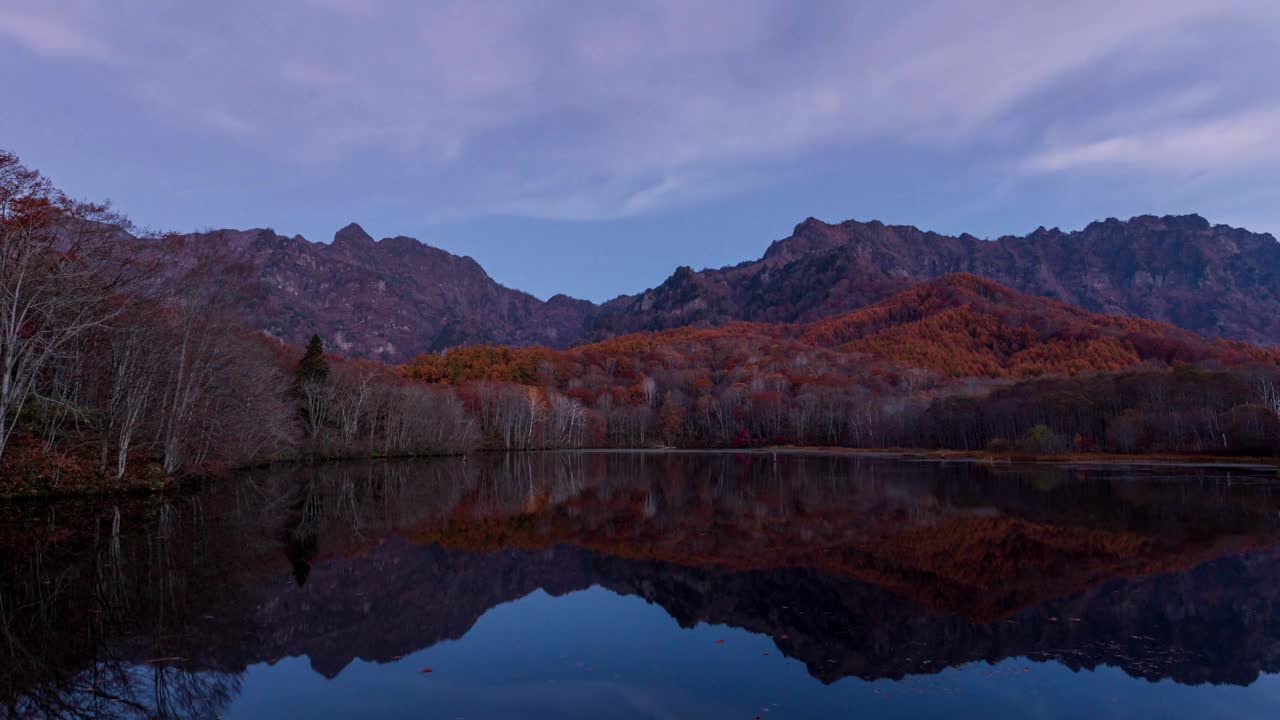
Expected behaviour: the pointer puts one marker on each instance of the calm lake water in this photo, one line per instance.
(639, 585)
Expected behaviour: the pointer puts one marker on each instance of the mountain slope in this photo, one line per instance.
(1215, 280)
(964, 325)
(958, 325)
(387, 299)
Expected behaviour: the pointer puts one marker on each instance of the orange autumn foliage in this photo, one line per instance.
(958, 326)
(963, 326)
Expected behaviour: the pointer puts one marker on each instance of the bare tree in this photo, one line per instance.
(206, 356)
(317, 400)
(62, 274)
(353, 389)
(568, 421)
(131, 372)
(1268, 392)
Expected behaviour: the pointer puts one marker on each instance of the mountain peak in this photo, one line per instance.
(1191, 222)
(352, 234)
(810, 224)
(809, 236)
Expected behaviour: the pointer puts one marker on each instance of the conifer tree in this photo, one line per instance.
(313, 367)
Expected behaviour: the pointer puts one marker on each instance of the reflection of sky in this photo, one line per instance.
(594, 654)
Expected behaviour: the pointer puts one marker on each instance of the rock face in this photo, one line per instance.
(1215, 280)
(389, 299)
(394, 298)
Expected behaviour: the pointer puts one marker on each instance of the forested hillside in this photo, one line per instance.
(959, 362)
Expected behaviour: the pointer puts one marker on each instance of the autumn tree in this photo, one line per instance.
(61, 276)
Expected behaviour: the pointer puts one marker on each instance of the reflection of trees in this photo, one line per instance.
(117, 688)
(147, 607)
(101, 630)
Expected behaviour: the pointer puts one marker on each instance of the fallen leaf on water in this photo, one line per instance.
(426, 670)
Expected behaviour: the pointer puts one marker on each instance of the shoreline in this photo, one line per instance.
(997, 458)
(902, 454)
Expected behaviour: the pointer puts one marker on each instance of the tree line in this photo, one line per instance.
(711, 388)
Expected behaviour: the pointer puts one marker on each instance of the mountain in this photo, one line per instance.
(958, 325)
(387, 299)
(1215, 280)
(395, 298)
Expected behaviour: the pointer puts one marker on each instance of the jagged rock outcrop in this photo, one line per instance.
(397, 297)
(386, 299)
(1213, 279)
(394, 298)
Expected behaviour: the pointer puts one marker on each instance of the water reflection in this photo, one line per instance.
(852, 568)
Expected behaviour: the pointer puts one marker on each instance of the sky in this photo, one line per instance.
(592, 147)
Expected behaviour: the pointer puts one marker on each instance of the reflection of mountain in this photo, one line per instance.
(1218, 622)
(1164, 577)
(396, 600)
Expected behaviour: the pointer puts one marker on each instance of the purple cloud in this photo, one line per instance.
(585, 110)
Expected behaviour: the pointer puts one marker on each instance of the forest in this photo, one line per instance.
(121, 368)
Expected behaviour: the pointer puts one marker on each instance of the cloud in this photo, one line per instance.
(1234, 141)
(49, 36)
(589, 110)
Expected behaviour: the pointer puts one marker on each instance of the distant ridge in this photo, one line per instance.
(1212, 279)
(394, 298)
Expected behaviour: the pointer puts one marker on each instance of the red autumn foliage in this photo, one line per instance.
(959, 325)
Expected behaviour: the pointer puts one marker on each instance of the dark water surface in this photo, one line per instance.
(616, 585)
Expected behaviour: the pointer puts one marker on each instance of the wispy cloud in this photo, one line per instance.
(50, 36)
(1231, 142)
(589, 110)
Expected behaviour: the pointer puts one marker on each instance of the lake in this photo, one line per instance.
(652, 585)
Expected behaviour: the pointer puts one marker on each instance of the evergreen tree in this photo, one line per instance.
(313, 367)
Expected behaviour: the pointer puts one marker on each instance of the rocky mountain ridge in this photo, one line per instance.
(1213, 279)
(394, 298)
(385, 299)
